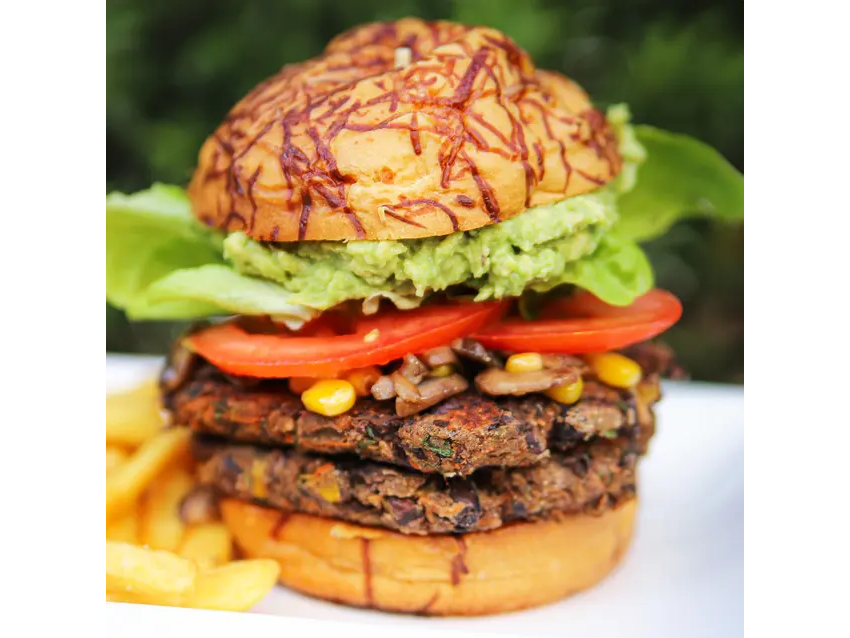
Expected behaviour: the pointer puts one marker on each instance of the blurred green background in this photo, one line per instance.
(174, 69)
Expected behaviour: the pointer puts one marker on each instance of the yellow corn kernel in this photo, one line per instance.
(258, 484)
(566, 393)
(615, 369)
(330, 493)
(329, 397)
(363, 379)
(525, 362)
(442, 371)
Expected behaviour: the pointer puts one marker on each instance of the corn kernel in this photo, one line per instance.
(330, 493)
(442, 371)
(258, 485)
(525, 362)
(615, 369)
(566, 393)
(329, 397)
(372, 336)
(363, 379)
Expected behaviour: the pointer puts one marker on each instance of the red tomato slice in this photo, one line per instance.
(232, 349)
(584, 323)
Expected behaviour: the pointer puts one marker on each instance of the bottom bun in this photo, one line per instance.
(514, 567)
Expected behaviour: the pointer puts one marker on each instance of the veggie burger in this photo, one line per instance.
(421, 375)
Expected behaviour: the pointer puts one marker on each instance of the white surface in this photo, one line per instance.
(683, 576)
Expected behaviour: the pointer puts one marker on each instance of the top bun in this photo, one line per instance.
(463, 133)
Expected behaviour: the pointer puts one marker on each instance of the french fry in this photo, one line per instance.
(126, 483)
(115, 456)
(208, 544)
(133, 416)
(124, 529)
(161, 526)
(236, 586)
(179, 565)
(148, 573)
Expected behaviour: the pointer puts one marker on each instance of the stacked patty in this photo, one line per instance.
(473, 462)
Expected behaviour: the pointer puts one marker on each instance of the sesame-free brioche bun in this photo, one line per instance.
(514, 567)
(463, 133)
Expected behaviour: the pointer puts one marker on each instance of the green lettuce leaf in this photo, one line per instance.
(680, 178)
(617, 272)
(161, 264)
(149, 235)
(222, 287)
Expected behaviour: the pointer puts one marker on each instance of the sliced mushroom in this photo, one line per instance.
(497, 382)
(564, 362)
(199, 506)
(405, 389)
(383, 388)
(591, 418)
(413, 369)
(431, 392)
(441, 356)
(471, 349)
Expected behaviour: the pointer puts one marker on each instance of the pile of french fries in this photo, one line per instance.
(152, 556)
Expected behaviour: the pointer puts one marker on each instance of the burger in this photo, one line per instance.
(421, 372)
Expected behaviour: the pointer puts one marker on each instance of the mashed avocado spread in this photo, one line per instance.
(537, 249)
(498, 261)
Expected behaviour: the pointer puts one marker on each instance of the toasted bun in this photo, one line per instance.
(514, 567)
(349, 146)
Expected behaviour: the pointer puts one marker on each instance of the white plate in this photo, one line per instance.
(683, 576)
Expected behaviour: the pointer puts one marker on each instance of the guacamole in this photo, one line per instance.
(498, 261)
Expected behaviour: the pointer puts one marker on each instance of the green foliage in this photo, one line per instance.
(175, 68)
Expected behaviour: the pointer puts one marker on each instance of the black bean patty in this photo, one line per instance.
(592, 477)
(462, 434)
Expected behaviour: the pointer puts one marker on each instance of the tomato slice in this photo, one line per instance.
(375, 340)
(583, 323)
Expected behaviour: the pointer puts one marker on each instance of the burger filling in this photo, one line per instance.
(462, 433)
